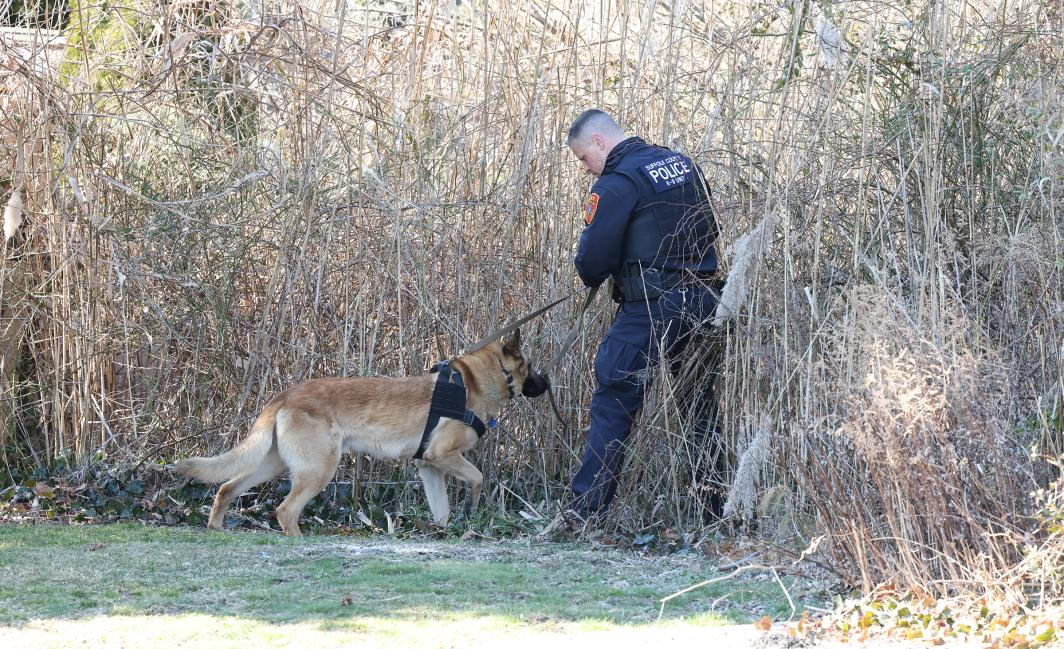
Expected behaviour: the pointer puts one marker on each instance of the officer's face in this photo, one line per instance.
(591, 152)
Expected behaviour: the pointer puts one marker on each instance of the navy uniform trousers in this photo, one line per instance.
(623, 366)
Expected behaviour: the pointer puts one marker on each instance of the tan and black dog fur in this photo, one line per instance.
(306, 428)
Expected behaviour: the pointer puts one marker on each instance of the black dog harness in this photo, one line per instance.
(449, 400)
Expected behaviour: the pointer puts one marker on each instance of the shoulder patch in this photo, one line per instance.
(590, 207)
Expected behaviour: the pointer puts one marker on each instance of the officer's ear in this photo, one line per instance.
(513, 344)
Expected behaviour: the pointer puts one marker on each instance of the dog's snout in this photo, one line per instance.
(535, 385)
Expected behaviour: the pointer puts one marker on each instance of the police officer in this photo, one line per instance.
(649, 227)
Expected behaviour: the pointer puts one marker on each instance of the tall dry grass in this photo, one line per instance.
(236, 199)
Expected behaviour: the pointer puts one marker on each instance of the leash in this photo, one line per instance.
(557, 411)
(499, 333)
(570, 338)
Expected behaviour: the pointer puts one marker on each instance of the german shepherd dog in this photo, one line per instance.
(306, 428)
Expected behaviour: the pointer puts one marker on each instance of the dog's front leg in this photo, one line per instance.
(435, 491)
(462, 469)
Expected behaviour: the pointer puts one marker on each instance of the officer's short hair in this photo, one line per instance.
(593, 121)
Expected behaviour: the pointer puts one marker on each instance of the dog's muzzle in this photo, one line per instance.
(535, 385)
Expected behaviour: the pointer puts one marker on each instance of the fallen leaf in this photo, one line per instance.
(764, 624)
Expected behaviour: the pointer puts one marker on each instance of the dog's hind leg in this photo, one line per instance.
(464, 470)
(308, 480)
(271, 467)
(435, 491)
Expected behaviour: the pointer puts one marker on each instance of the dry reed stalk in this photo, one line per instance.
(12, 215)
(743, 494)
(237, 202)
(746, 255)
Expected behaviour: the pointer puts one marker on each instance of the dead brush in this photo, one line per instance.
(1039, 578)
(918, 474)
(226, 202)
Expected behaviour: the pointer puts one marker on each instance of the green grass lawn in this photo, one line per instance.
(62, 585)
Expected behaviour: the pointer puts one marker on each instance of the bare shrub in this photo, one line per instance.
(918, 473)
(234, 197)
(1039, 577)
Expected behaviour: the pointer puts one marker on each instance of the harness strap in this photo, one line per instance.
(449, 400)
(450, 397)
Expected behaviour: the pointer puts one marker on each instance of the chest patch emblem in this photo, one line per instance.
(590, 207)
(668, 173)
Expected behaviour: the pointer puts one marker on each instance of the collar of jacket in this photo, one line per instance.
(618, 152)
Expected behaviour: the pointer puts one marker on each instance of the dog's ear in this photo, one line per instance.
(513, 344)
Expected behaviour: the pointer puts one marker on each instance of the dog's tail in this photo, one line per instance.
(241, 459)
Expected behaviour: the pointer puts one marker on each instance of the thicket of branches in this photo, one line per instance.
(221, 199)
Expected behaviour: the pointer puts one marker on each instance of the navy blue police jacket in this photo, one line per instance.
(650, 206)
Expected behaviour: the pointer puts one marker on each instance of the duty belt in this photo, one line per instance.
(639, 284)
